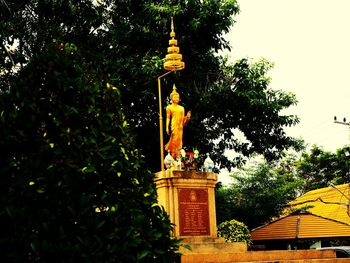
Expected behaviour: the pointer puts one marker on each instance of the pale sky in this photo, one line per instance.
(309, 43)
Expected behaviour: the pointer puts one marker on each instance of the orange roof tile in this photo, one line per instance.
(283, 228)
(301, 226)
(326, 215)
(326, 202)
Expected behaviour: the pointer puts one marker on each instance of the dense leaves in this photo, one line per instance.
(318, 168)
(234, 231)
(73, 185)
(125, 42)
(259, 193)
(245, 102)
(261, 190)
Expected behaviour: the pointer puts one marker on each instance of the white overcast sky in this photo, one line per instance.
(309, 43)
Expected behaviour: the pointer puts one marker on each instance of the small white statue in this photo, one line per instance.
(208, 164)
(168, 161)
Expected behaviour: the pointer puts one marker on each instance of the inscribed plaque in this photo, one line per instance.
(193, 212)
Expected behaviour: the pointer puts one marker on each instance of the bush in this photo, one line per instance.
(72, 186)
(234, 231)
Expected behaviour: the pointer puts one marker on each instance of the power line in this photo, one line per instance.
(343, 123)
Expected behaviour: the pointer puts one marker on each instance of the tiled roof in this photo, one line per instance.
(301, 226)
(326, 215)
(329, 202)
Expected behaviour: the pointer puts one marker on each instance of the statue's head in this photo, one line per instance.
(174, 96)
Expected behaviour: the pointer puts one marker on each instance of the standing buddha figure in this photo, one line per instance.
(175, 122)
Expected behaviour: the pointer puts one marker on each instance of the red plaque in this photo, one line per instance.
(193, 212)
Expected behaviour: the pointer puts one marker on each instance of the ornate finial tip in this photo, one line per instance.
(172, 33)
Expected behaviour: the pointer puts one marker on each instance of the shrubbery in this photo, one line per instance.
(234, 231)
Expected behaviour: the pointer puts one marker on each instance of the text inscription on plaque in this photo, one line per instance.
(193, 212)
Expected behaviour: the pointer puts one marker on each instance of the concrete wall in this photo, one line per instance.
(265, 256)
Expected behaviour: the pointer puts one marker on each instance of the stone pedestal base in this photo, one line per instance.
(203, 245)
(189, 199)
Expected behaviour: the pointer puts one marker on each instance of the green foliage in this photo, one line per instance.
(126, 40)
(261, 190)
(259, 193)
(247, 103)
(73, 186)
(234, 231)
(319, 168)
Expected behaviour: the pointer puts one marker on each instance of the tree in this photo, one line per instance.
(318, 168)
(125, 42)
(250, 106)
(258, 194)
(73, 185)
(261, 190)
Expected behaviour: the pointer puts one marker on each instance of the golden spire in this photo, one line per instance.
(173, 60)
(172, 33)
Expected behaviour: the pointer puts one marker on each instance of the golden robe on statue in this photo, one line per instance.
(176, 119)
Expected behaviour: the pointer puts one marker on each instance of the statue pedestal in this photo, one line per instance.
(189, 199)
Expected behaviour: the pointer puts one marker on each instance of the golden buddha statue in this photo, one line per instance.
(175, 121)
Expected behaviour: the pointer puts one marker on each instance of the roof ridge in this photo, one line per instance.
(331, 219)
